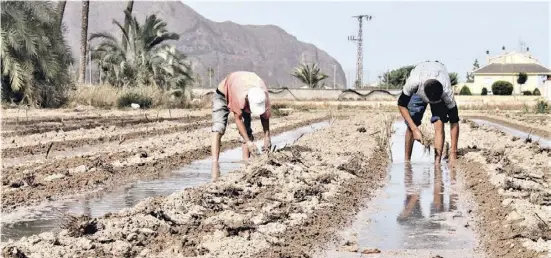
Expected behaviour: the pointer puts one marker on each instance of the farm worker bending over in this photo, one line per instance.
(429, 83)
(244, 94)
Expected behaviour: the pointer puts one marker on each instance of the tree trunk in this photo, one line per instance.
(129, 8)
(83, 41)
(60, 10)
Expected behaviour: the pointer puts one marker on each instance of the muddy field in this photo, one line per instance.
(80, 154)
(293, 202)
(282, 204)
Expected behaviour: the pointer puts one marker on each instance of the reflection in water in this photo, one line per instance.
(34, 220)
(412, 210)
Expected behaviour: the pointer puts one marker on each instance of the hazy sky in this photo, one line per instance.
(400, 33)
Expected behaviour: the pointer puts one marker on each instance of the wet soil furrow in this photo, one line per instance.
(104, 175)
(525, 128)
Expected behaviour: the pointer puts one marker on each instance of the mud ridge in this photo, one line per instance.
(35, 128)
(321, 227)
(100, 174)
(42, 148)
(509, 181)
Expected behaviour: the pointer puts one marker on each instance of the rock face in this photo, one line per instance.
(225, 46)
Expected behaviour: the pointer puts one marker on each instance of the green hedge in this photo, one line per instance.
(465, 90)
(502, 88)
(484, 91)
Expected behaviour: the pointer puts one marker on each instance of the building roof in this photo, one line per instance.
(513, 68)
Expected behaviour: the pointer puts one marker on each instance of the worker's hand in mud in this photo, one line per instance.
(253, 150)
(417, 135)
(267, 145)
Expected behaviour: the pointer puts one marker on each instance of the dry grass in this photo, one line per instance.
(383, 136)
(107, 96)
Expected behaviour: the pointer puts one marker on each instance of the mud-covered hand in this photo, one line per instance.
(267, 144)
(253, 150)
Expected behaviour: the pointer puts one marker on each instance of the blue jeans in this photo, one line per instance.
(417, 107)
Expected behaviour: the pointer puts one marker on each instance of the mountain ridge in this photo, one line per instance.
(225, 46)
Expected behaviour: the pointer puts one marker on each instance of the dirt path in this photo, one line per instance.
(283, 205)
(509, 181)
(62, 177)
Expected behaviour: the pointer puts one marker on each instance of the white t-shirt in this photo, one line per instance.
(425, 71)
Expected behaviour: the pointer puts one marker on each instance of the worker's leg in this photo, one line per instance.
(439, 118)
(220, 114)
(247, 121)
(416, 108)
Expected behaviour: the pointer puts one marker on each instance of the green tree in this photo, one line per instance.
(465, 90)
(453, 79)
(310, 75)
(521, 80)
(34, 55)
(397, 78)
(470, 76)
(502, 88)
(484, 91)
(147, 58)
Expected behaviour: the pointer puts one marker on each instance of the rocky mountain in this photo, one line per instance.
(225, 46)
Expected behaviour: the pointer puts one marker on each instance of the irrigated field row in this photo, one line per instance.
(103, 166)
(284, 204)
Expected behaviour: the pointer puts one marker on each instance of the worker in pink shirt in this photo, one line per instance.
(244, 94)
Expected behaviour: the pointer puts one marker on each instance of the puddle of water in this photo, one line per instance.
(418, 209)
(544, 142)
(45, 217)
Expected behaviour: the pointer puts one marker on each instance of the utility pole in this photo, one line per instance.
(359, 40)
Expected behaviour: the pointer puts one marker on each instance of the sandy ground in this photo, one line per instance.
(509, 182)
(283, 204)
(86, 160)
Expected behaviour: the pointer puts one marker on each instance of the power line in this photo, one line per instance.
(359, 42)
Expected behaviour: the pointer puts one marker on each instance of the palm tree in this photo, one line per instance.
(34, 55)
(129, 8)
(309, 75)
(143, 57)
(83, 41)
(60, 10)
(454, 80)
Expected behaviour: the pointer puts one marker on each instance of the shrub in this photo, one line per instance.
(536, 92)
(527, 93)
(465, 90)
(502, 88)
(542, 106)
(521, 79)
(484, 91)
(135, 97)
